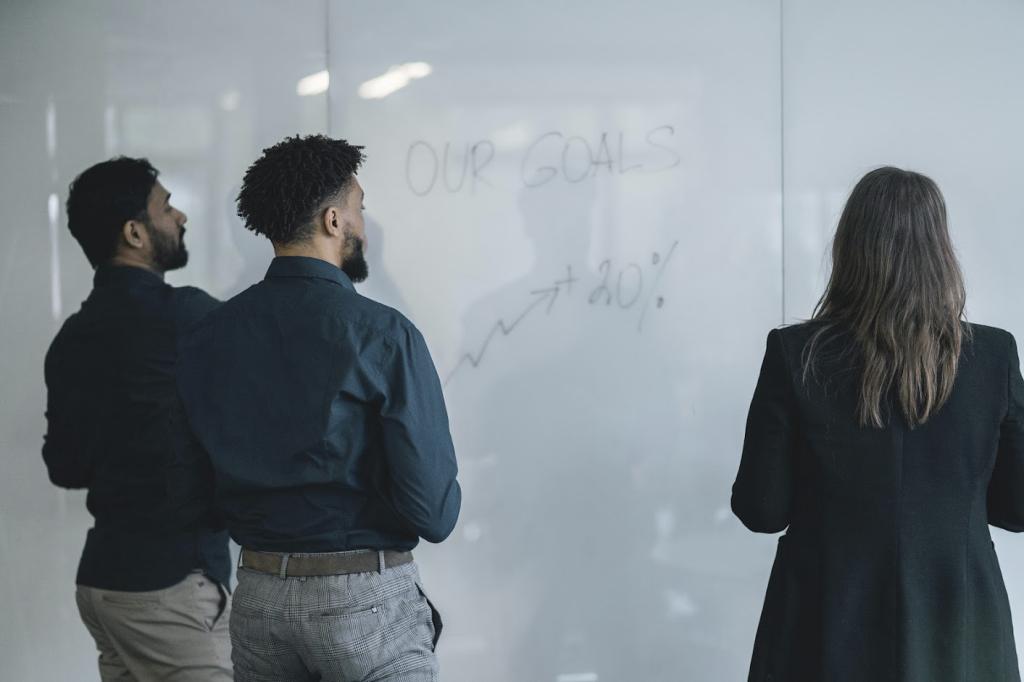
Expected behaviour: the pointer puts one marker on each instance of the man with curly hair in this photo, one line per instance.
(322, 415)
(152, 581)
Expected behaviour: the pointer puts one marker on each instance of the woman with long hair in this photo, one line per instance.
(885, 435)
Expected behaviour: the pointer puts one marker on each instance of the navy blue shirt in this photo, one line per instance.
(110, 381)
(322, 415)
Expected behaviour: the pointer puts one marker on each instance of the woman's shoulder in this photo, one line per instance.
(801, 329)
(978, 335)
(984, 339)
(796, 336)
(789, 341)
(986, 332)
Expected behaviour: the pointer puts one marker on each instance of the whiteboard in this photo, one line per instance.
(580, 208)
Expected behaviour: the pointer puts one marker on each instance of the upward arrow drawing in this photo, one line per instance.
(550, 295)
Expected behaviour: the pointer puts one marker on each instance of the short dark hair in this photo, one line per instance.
(103, 198)
(288, 186)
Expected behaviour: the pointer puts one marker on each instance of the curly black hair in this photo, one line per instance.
(288, 186)
(103, 198)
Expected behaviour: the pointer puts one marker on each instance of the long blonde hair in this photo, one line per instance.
(896, 286)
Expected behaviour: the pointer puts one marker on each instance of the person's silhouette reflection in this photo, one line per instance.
(562, 498)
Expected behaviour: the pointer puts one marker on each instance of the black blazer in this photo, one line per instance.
(887, 570)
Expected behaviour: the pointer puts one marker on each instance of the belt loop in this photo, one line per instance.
(284, 567)
(380, 553)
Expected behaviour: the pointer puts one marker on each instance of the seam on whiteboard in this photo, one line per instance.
(782, 150)
(327, 59)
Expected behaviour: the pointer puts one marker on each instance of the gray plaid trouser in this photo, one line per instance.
(363, 627)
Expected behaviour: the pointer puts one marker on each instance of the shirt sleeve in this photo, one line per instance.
(1006, 488)
(417, 442)
(191, 474)
(762, 496)
(65, 460)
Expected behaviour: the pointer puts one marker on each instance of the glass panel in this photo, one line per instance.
(579, 206)
(199, 88)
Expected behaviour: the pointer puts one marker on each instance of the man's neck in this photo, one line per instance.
(135, 263)
(313, 249)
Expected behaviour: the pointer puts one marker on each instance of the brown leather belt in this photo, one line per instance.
(290, 565)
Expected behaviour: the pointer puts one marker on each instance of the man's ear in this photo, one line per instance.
(134, 234)
(332, 221)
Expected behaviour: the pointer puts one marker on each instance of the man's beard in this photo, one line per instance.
(354, 264)
(167, 255)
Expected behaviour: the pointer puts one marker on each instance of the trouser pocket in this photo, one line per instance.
(435, 617)
(212, 600)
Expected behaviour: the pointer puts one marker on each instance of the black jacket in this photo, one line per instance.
(887, 570)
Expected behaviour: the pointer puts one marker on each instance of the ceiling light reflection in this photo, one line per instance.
(51, 130)
(56, 303)
(314, 84)
(396, 78)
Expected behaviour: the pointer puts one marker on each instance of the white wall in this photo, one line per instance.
(597, 440)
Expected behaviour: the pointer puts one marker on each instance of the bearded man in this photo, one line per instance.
(322, 416)
(153, 577)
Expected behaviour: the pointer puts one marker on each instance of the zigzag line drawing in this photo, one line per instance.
(473, 360)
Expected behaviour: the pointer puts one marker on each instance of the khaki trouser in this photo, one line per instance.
(178, 634)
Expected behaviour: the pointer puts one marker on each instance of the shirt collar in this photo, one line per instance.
(125, 274)
(304, 266)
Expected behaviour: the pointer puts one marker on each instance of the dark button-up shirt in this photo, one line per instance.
(110, 381)
(322, 415)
